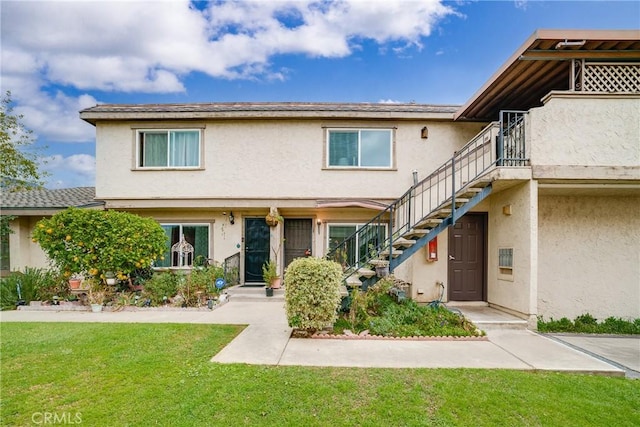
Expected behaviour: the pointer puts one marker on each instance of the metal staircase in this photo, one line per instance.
(432, 204)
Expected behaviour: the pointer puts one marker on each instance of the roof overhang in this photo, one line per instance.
(543, 64)
(267, 110)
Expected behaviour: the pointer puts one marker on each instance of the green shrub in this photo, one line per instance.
(312, 293)
(378, 312)
(586, 323)
(92, 242)
(161, 285)
(199, 285)
(36, 284)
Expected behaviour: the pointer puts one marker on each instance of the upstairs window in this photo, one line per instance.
(169, 148)
(359, 148)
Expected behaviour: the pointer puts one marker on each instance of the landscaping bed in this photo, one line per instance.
(379, 314)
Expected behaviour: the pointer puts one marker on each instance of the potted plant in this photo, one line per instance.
(273, 217)
(110, 278)
(96, 296)
(270, 276)
(381, 267)
(75, 281)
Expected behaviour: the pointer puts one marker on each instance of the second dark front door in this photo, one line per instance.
(297, 238)
(256, 249)
(467, 258)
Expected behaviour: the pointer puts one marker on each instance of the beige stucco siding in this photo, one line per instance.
(516, 230)
(22, 251)
(589, 251)
(272, 159)
(585, 131)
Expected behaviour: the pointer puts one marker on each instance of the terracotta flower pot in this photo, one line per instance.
(276, 283)
(75, 283)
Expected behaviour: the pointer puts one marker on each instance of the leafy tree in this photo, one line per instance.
(93, 242)
(18, 168)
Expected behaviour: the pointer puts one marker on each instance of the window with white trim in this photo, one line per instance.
(197, 235)
(361, 245)
(169, 148)
(360, 148)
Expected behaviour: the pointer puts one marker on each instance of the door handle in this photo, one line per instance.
(451, 258)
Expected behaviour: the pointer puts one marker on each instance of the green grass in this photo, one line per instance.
(161, 374)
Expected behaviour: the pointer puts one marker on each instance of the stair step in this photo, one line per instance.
(468, 192)
(365, 272)
(379, 262)
(414, 232)
(386, 252)
(480, 183)
(459, 202)
(440, 213)
(427, 223)
(353, 281)
(253, 294)
(403, 243)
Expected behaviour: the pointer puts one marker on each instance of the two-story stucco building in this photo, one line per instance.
(529, 193)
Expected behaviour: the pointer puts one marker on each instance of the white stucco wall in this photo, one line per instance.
(589, 251)
(516, 292)
(588, 131)
(272, 159)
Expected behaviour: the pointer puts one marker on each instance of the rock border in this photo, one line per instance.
(366, 336)
(77, 306)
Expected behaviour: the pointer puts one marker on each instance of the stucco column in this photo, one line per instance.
(533, 251)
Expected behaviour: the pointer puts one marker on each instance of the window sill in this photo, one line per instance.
(167, 269)
(353, 168)
(197, 168)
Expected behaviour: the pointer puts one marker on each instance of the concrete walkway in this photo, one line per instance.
(267, 341)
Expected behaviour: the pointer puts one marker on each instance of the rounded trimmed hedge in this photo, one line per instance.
(312, 293)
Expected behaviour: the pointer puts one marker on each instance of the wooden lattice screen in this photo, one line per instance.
(611, 77)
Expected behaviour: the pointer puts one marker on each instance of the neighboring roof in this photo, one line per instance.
(542, 64)
(257, 110)
(48, 200)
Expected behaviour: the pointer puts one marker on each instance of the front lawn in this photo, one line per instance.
(161, 374)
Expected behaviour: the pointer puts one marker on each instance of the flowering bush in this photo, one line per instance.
(92, 242)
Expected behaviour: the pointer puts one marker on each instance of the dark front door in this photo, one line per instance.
(297, 238)
(256, 249)
(467, 258)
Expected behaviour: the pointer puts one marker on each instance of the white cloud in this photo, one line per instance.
(138, 46)
(521, 4)
(56, 116)
(70, 171)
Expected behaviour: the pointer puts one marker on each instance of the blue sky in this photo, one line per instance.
(61, 57)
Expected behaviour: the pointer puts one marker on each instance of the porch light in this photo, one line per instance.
(232, 219)
(424, 133)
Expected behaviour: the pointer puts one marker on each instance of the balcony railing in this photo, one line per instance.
(498, 144)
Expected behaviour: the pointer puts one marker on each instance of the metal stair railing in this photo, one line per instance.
(442, 197)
